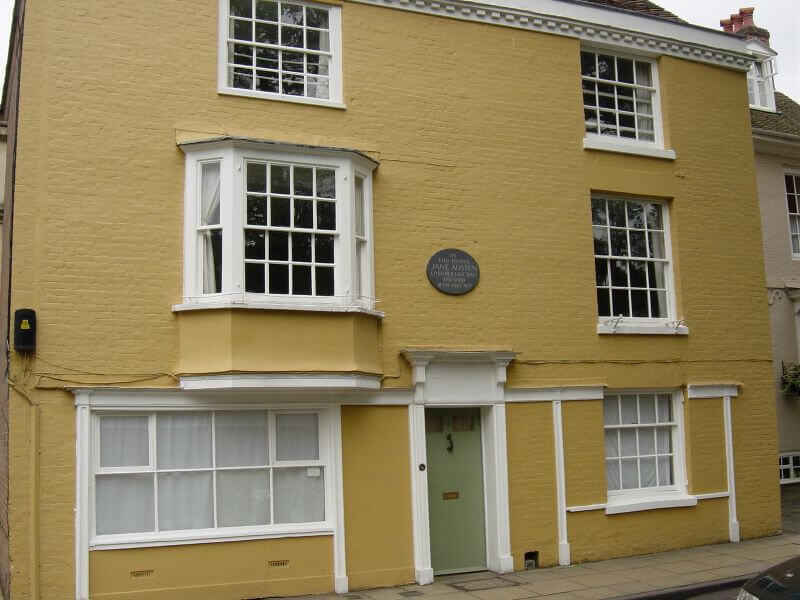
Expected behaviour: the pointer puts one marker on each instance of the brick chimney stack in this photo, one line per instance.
(742, 24)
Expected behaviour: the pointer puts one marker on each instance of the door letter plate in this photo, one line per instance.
(450, 496)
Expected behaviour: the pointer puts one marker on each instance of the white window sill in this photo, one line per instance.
(204, 304)
(606, 326)
(604, 143)
(623, 504)
(764, 109)
(206, 536)
(795, 256)
(281, 98)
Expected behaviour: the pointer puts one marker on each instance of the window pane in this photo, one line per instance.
(619, 242)
(628, 404)
(124, 503)
(639, 303)
(324, 281)
(647, 408)
(279, 179)
(599, 211)
(296, 437)
(643, 73)
(359, 206)
(616, 213)
(267, 10)
(323, 249)
(242, 498)
(317, 17)
(212, 261)
(653, 212)
(625, 70)
(627, 442)
(124, 442)
(280, 212)
(301, 280)
(663, 440)
(647, 472)
(611, 411)
(656, 245)
(256, 210)
(638, 274)
(326, 183)
(304, 213)
(183, 440)
(209, 194)
(303, 181)
(254, 278)
(630, 473)
(603, 302)
(647, 441)
(601, 272)
(254, 243)
(256, 177)
(664, 470)
(612, 474)
(605, 67)
(664, 408)
(301, 247)
(658, 305)
(278, 245)
(588, 66)
(619, 301)
(619, 272)
(241, 8)
(638, 243)
(600, 240)
(612, 443)
(299, 495)
(185, 501)
(326, 215)
(278, 279)
(241, 438)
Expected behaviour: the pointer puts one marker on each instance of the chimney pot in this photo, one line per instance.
(736, 22)
(746, 15)
(726, 25)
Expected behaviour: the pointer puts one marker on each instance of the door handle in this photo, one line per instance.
(450, 442)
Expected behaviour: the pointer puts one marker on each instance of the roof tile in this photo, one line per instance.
(785, 120)
(640, 6)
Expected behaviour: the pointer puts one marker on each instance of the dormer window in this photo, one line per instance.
(760, 87)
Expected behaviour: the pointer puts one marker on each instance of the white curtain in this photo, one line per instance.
(183, 440)
(209, 215)
(299, 495)
(124, 442)
(242, 497)
(241, 438)
(124, 503)
(185, 500)
(296, 437)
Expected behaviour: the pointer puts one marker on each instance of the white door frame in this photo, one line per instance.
(462, 379)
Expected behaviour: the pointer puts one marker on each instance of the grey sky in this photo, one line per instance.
(780, 17)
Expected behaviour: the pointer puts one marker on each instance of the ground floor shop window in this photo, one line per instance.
(211, 471)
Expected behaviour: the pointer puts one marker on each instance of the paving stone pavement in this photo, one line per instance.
(616, 578)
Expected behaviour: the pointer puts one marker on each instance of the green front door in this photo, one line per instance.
(455, 489)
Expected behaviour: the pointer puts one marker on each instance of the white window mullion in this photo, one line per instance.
(154, 462)
(214, 465)
(232, 217)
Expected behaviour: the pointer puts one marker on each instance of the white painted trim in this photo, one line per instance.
(143, 541)
(423, 572)
(495, 475)
(712, 495)
(201, 303)
(340, 580)
(82, 495)
(335, 66)
(698, 497)
(605, 326)
(499, 357)
(624, 504)
(279, 98)
(713, 390)
(603, 143)
(561, 500)
(595, 25)
(733, 520)
(154, 398)
(550, 394)
(281, 381)
(585, 507)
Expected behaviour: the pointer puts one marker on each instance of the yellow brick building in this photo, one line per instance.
(227, 216)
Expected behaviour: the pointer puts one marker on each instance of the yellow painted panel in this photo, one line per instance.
(278, 341)
(594, 535)
(531, 482)
(584, 452)
(706, 467)
(377, 495)
(213, 571)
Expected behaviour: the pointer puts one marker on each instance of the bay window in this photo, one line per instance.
(277, 225)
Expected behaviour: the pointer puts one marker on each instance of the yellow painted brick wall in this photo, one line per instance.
(479, 150)
(377, 495)
(531, 482)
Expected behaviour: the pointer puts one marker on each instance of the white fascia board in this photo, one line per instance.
(594, 25)
(282, 381)
(713, 390)
(578, 392)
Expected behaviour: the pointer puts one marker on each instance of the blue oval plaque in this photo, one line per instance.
(453, 271)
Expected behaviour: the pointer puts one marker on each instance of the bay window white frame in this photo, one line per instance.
(792, 217)
(597, 141)
(216, 534)
(669, 325)
(335, 99)
(623, 501)
(232, 155)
